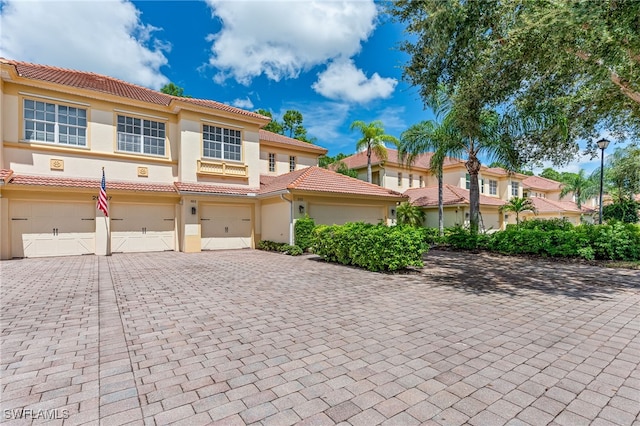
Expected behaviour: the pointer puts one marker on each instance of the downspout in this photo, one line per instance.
(290, 218)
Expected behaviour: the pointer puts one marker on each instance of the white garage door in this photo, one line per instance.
(40, 229)
(142, 227)
(225, 227)
(325, 214)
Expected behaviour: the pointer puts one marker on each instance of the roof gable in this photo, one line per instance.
(452, 195)
(287, 142)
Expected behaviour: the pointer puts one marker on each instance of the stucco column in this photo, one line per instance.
(5, 249)
(191, 226)
(103, 234)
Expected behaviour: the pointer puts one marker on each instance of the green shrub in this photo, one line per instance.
(279, 247)
(461, 238)
(613, 241)
(625, 211)
(373, 247)
(303, 231)
(547, 224)
(432, 236)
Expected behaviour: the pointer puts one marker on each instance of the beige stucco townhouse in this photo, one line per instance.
(181, 174)
(497, 186)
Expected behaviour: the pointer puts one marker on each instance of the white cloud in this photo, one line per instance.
(342, 80)
(393, 119)
(105, 37)
(242, 103)
(280, 39)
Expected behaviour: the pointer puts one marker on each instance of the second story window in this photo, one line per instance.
(410, 180)
(292, 163)
(482, 186)
(493, 187)
(421, 183)
(399, 179)
(467, 184)
(221, 143)
(272, 162)
(53, 123)
(140, 136)
(515, 186)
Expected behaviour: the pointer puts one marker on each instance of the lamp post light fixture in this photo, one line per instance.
(602, 144)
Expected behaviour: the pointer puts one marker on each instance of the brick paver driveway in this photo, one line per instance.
(251, 337)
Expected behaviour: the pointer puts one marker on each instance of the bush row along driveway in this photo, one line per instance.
(241, 337)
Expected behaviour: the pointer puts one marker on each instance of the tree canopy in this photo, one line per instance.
(291, 124)
(174, 90)
(573, 64)
(372, 141)
(622, 173)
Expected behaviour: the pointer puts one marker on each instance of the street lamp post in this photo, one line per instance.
(602, 144)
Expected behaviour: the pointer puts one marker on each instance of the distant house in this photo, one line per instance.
(497, 186)
(181, 174)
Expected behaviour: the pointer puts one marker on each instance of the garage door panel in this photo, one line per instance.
(226, 227)
(41, 229)
(142, 228)
(329, 214)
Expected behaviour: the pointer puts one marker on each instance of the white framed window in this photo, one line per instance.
(421, 182)
(482, 186)
(140, 135)
(399, 179)
(467, 181)
(493, 187)
(272, 162)
(54, 123)
(515, 186)
(410, 180)
(292, 163)
(221, 143)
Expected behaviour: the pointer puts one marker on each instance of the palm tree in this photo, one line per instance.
(519, 205)
(581, 186)
(373, 138)
(409, 214)
(432, 135)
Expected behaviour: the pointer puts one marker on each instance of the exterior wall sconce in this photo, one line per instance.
(193, 210)
(301, 209)
(393, 212)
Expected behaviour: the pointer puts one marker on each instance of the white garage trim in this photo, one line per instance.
(226, 226)
(42, 229)
(142, 227)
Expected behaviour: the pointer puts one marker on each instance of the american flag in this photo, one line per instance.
(102, 198)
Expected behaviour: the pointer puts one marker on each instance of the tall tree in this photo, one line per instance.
(174, 90)
(580, 185)
(437, 135)
(622, 173)
(273, 126)
(519, 205)
(577, 61)
(373, 139)
(549, 173)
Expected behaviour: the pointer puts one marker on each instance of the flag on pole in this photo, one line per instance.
(102, 198)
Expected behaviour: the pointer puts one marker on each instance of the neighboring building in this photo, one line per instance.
(497, 186)
(181, 174)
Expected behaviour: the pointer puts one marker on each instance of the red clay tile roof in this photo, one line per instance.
(89, 183)
(5, 175)
(496, 170)
(213, 189)
(290, 142)
(112, 86)
(423, 161)
(317, 179)
(544, 205)
(538, 182)
(452, 195)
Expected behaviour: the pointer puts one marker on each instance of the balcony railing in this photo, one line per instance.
(220, 168)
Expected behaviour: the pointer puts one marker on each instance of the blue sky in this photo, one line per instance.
(334, 61)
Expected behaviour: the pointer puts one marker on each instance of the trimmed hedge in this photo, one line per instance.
(285, 248)
(555, 238)
(303, 232)
(373, 247)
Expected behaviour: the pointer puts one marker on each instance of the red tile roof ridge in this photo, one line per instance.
(66, 182)
(551, 184)
(119, 87)
(213, 188)
(282, 139)
(5, 175)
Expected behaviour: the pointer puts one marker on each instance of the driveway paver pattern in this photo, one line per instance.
(248, 337)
